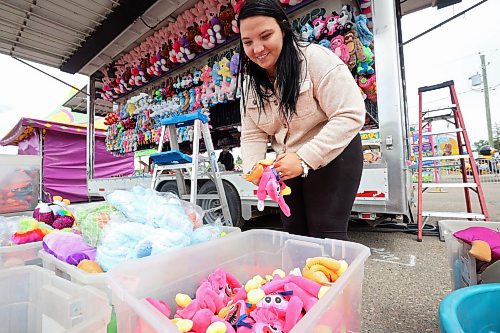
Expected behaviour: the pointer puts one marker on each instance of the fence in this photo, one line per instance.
(488, 169)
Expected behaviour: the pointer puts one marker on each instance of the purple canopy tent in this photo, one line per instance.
(64, 155)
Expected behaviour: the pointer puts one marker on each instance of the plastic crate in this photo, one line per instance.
(19, 183)
(78, 276)
(462, 264)
(19, 255)
(245, 255)
(35, 300)
(471, 309)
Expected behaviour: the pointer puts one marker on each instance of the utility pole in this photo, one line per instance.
(487, 100)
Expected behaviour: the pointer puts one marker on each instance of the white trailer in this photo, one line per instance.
(101, 33)
(385, 188)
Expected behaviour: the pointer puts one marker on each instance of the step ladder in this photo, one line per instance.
(453, 116)
(181, 163)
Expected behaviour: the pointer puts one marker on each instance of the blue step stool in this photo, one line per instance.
(171, 157)
(185, 119)
(474, 309)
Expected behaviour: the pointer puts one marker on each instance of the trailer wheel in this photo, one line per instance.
(233, 200)
(171, 187)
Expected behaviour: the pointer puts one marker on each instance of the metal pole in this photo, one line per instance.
(90, 129)
(487, 100)
(40, 151)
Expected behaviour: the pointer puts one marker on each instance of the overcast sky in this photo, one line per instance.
(450, 52)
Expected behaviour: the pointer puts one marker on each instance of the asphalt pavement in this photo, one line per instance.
(405, 280)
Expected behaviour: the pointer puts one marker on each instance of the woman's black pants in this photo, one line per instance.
(321, 203)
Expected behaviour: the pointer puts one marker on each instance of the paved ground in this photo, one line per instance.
(405, 280)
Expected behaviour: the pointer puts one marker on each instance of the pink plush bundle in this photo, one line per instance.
(223, 305)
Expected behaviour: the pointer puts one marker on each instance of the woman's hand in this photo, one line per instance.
(288, 166)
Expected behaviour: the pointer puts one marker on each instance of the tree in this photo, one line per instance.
(478, 144)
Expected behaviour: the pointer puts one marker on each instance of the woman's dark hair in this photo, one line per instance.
(288, 73)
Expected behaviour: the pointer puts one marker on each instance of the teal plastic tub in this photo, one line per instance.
(474, 309)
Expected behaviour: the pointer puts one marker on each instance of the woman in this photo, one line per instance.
(306, 100)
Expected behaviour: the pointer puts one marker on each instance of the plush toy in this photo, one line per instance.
(233, 64)
(325, 43)
(364, 34)
(355, 48)
(207, 39)
(89, 266)
(318, 27)
(192, 32)
(224, 70)
(339, 48)
(217, 29)
(365, 67)
(111, 118)
(206, 76)
(307, 32)
(55, 214)
(346, 18)
(366, 10)
(43, 213)
(485, 242)
(237, 4)
(227, 16)
(28, 236)
(185, 51)
(68, 247)
(269, 184)
(369, 86)
(216, 77)
(213, 294)
(324, 270)
(331, 25)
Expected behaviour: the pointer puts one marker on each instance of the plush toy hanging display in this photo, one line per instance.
(136, 124)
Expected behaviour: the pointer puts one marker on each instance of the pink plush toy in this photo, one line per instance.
(485, 242)
(331, 25)
(238, 316)
(160, 306)
(339, 48)
(269, 184)
(213, 294)
(318, 27)
(283, 305)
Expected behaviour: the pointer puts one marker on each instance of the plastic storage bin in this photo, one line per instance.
(244, 254)
(471, 310)
(34, 300)
(19, 255)
(97, 280)
(19, 183)
(462, 264)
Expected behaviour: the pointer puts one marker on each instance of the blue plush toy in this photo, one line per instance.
(364, 34)
(325, 43)
(307, 32)
(216, 77)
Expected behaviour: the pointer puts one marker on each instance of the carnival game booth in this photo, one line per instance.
(62, 148)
